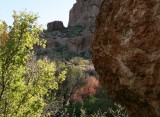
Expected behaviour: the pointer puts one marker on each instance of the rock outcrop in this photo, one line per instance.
(84, 13)
(79, 33)
(80, 43)
(55, 25)
(126, 54)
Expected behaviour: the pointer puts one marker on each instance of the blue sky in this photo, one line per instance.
(48, 10)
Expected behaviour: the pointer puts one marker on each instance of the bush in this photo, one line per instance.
(58, 100)
(118, 111)
(79, 61)
(73, 31)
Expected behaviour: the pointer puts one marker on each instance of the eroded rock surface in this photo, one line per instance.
(126, 54)
(84, 13)
(80, 43)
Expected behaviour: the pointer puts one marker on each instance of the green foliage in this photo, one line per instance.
(73, 31)
(79, 61)
(59, 53)
(118, 111)
(74, 110)
(93, 105)
(59, 99)
(24, 80)
(99, 114)
(78, 110)
(34, 88)
(75, 79)
(3, 33)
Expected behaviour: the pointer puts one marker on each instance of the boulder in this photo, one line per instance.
(126, 54)
(55, 25)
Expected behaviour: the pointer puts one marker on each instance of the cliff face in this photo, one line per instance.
(79, 33)
(126, 54)
(84, 12)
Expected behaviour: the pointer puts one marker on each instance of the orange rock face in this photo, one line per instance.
(126, 54)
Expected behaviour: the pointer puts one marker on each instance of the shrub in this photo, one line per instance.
(118, 111)
(79, 61)
(88, 89)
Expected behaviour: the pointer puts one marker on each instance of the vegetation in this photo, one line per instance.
(73, 31)
(56, 83)
(24, 80)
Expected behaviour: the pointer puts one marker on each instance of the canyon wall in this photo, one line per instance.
(84, 13)
(126, 54)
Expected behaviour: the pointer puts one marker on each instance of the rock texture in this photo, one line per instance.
(84, 12)
(81, 43)
(126, 54)
(55, 25)
(77, 41)
(79, 33)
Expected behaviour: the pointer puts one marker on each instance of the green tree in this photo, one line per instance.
(59, 99)
(75, 79)
(24, 80)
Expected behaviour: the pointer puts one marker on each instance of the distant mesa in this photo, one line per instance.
(55, 25)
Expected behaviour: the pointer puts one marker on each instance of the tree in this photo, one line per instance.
(59, 99)
(24, 80)
(75, 79)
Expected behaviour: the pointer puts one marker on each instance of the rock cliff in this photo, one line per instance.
(126, 54)
(84, 13)
(79, 33)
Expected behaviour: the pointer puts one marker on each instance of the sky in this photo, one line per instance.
(48, 10)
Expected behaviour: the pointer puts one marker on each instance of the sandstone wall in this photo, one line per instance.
(126, 54)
